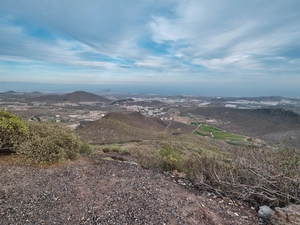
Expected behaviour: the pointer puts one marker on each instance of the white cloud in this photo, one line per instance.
(222, 35)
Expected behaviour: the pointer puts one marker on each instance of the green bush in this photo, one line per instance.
(106, 150)
(85, 148)
(12, 130)
(172, 159)
(49, 143)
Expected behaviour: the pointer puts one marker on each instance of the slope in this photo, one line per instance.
(119, 127)
(271, 124)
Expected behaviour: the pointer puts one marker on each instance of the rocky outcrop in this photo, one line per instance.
(289, 215)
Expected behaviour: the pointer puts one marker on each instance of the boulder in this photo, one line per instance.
(265, 213)
(289, 215)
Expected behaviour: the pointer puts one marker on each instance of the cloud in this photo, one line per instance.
(105, 25)
(181, 40)
(219, 34)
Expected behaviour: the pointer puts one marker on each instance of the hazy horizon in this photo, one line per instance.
(156, 89)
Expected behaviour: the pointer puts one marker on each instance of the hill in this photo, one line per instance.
(8, 92)
(82, 96)
(137, 120)
(77, 96)
(119, 127)
(272, 125)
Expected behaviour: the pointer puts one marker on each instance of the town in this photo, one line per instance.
(44, 107)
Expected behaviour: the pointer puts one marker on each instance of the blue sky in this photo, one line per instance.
(240, 47)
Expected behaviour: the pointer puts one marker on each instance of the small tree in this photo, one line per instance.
(12, 130)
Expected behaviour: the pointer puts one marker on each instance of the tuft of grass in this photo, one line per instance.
(119, 149)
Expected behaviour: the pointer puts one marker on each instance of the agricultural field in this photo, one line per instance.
(218, 134)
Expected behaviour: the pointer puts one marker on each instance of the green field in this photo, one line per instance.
(218, 134)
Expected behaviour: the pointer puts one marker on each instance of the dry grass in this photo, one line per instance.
(253, 175)
(120, 127)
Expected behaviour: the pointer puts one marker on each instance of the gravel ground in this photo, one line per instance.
(97, 191)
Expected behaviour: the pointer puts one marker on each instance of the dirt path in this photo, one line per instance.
(197, 128)
(167, 127)
(95, 191)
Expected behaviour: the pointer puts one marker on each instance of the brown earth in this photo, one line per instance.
(97, 191)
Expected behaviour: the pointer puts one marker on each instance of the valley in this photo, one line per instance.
(224, 153)
(266, 120)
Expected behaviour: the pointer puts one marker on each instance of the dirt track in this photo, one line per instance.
(95, 191)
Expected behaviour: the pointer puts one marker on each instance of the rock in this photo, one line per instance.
(265, 213)
(289, 215)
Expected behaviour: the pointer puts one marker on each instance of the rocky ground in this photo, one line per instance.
(97, 191)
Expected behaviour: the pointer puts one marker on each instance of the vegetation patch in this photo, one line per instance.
(171, 158)
(218, 134)
(49, 143)
(12, 130)
(249, 174)
(223, 135)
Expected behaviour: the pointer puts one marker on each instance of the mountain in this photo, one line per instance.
(77, 96)
(82, 96)
(9, 92)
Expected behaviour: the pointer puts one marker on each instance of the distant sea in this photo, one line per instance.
(154, 88)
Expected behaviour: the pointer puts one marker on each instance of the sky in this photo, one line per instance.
(207, 47)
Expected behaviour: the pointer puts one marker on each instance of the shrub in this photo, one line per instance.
(258, 176)
(12, 130)
(105, 150)
(172, 159)
(85, 148)
(49, 143)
